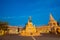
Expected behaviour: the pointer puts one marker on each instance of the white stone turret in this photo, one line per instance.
(52, 21)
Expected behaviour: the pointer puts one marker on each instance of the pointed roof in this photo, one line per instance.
(51, 17)
(29, 19)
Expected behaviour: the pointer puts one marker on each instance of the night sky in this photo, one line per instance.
(16, 12)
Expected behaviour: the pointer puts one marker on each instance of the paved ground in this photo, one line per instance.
(15, 37)
(43, 37)
(48, 37)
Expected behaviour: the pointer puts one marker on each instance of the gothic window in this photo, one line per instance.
(53, 23)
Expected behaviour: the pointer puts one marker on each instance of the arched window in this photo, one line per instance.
(54, 24)
(31, 33)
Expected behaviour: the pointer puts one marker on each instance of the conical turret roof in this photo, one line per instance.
(51, 17)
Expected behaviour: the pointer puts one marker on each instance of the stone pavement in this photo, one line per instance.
(43, 37)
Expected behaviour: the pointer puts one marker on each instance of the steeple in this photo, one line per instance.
(52, 21)
(51, 17)
(29, 19)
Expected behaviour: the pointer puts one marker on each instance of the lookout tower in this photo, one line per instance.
(30, 29)
(52, 21)
(53, 24)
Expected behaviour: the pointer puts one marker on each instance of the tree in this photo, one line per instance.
(4, 26)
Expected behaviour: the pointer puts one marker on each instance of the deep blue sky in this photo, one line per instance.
(16, 12)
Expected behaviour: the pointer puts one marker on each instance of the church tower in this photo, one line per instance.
(29, 26)
(30, 29)
(52, 21)
(52, 24)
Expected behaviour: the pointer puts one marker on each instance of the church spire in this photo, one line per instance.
(29, 20)
(51, 17)
(52, 21)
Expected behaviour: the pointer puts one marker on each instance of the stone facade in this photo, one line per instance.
(51, 27)
(32, 30)
(13, 30)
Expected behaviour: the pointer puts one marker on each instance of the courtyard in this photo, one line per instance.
(42, 37)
